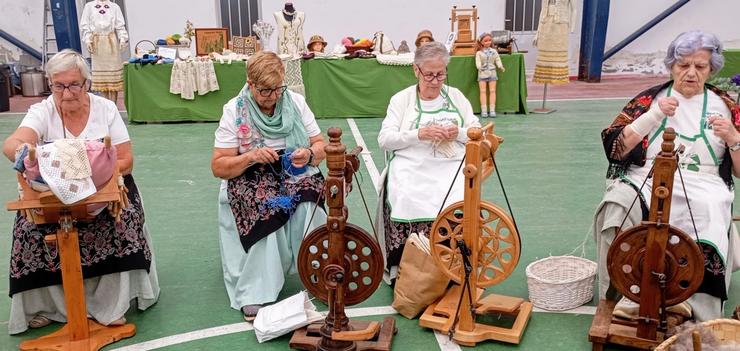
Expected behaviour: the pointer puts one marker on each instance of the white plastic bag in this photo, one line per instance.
(285, 316)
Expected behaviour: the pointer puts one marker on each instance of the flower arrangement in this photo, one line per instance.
(264, 31)
(189, 30)
(730, 85)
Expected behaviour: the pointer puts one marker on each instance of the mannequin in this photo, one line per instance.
(557, 19)
(487, 61)
(104, 33)
(316, 44)
(290, 30)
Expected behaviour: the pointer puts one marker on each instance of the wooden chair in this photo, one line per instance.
(78, 333)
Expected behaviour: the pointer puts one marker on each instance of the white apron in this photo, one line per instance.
(711, 200)
(419, 175)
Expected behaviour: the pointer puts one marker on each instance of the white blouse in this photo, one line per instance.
(104, 120)
(102, 17)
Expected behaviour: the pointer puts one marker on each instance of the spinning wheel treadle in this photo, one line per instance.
(683, 263)
(499, 244)
(362, 261)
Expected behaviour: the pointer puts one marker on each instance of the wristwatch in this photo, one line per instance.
(734, 147)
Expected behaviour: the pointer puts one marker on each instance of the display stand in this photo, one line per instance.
(543, 109)
(476, 244)
(465, 42)
(654, 264)
(341, 264)
(79, 333)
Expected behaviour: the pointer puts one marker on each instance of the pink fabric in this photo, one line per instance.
(102, 161)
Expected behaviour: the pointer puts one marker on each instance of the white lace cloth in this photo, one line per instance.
(188, 77)
(294, 76)
(395, 60)
(59, 162)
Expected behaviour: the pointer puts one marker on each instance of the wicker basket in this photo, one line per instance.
(140, 48)
(727, 331)
(560, 283)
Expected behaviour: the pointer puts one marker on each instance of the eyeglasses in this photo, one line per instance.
(265, 92)
(430, 77)
(73, 88)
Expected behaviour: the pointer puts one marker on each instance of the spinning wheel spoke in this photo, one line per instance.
(498, 244)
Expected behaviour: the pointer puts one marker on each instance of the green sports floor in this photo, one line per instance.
(552, 167)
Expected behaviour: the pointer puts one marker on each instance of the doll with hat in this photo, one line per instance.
(487, 60)
(425, 36)
(316, 44)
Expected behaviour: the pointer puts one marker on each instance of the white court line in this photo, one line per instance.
(445, 344)
(366, 155)
(235, 328)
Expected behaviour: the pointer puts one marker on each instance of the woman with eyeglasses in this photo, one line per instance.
(267, 149)
(117, 259)
(425, 130)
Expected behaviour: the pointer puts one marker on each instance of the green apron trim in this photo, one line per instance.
(721, 255)
(702, 124)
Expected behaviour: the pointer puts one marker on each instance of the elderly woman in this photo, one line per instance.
(706, 121)
(267, 147)
(117, 259)
(425, 130)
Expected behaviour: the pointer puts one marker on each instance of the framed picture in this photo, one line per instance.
(244, 45)
(208, 40)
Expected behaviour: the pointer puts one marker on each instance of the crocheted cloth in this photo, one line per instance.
(395, 60)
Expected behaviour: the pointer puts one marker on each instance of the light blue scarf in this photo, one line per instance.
(285, 122)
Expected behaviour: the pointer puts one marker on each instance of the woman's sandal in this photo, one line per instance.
(38, 321)
(250, 312)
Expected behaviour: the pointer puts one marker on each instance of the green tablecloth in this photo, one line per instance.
(334, 88)
(732, 63)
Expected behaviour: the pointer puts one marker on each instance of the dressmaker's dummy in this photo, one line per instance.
(290, 30)
(104, 33)
(557, 19)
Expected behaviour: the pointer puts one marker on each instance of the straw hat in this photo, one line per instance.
(424, 34)
(315, 39)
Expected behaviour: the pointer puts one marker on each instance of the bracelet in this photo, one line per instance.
(310, 158)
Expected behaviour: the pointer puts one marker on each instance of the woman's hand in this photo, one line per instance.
(452, 132)
(300, 157)
(264, 155)
(668, 105)
(724, 129)
(432, 132)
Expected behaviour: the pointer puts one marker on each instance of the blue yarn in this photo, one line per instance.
(282, 202)
(288, 165)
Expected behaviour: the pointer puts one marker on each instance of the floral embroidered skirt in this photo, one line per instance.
(253, 197)
(105, 246)
(396, 234)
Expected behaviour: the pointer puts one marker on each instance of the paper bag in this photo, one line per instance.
(420, 282)
(285, 316)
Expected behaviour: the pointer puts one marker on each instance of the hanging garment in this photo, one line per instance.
(188, 77)
(294, 76)
(290, 34)
(103, 29)
(557, 19)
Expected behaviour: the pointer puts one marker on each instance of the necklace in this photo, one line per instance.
(287, 13)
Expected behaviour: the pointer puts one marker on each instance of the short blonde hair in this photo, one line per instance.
(67, 60)
(265, 69)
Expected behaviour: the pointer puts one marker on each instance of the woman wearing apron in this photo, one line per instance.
(706, 122)
(424, 131)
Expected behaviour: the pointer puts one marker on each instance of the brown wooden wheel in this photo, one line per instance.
(363, 264)
(499, 245)
(684, 264)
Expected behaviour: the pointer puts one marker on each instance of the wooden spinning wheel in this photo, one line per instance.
(341, 264)
(499, 244)
(654, 264)
(684, 262)
(362, 258)
(475, 243)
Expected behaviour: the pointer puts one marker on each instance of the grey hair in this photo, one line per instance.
(688, 43)
(67, 60)
(431, 51)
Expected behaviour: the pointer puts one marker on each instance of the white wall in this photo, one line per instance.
(398, 19)
(22, 19)
(155, 19)
(402, 20)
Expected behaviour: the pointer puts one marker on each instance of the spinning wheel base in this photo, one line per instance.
(309, 338)
(606, 329)
(440, 316)
(61, 339)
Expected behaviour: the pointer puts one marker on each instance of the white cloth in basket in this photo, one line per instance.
(52, 169)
